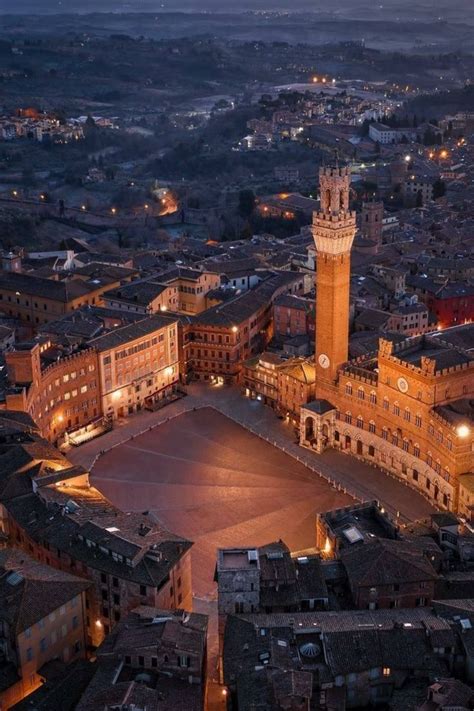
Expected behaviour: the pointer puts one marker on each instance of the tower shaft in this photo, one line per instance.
(333, 229)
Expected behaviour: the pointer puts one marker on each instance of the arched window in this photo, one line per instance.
(372, 426)
(361, 393)
(348, 388)
(386, 403)
(406, 445)
(416, 450)
(396, 408)
(348, 418)
(407, 415)
(360, 422)
(373, 397)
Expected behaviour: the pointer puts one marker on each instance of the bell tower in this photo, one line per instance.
(334, 228)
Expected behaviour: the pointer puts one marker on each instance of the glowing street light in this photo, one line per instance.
(463, 431)
(407, 158)
(113, 210)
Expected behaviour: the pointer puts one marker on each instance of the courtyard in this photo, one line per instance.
(210, 480)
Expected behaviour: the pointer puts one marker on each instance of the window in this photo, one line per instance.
(75, 622)
(373, 398)
(348, 418)
(416, 450)
(407, 415)
(239, 608)
(385, 433)
(386, 671)
(405, 445)
(386, 403)
(143, 590)
(421, 601)
(154, 662)
(141, 661)
(29, 654)
(396, 409)
(103, 578)
(361, 393)
(415, 474)
(360, 422)
(348, 389)
(418, 420)
(43, 644)
(115, 582)
(117, 616)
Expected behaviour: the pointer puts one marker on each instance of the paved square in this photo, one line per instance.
(212, 481)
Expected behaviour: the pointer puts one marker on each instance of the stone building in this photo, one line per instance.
(42, 618)
(35, 300)
(49, 509)
(371, 224)
(138, 365)
(219, 340)
(58, 387)
(153, 659)
(405, 407)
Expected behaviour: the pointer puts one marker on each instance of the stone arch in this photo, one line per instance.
(309, 428)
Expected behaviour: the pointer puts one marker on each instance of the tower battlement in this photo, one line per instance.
(334, 171)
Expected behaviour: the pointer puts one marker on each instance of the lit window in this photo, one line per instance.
(386, 671)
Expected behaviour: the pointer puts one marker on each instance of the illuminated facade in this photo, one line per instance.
(138, 365)
(405, 408)
(62, 396)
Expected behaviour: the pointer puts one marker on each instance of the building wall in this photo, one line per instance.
(144, 369)
(417, 594)
(36, 310)
(62, 397)
(60, 635)
(399, 431)
(111, 597)
(292, 322)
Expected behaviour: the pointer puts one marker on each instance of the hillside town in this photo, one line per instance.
(236, 366)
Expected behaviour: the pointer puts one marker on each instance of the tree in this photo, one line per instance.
(246, 203)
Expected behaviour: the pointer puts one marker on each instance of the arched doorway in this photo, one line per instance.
(309, 428)
(360, 449)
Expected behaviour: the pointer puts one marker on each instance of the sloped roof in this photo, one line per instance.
(29, 591)
(385, 562)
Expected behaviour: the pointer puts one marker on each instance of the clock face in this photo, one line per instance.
(402, 385)
(323, 361)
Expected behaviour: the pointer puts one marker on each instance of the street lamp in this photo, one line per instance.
(463, 431)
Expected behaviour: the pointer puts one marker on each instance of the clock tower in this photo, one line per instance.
(334, 228)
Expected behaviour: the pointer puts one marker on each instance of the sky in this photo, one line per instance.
(82, 6)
